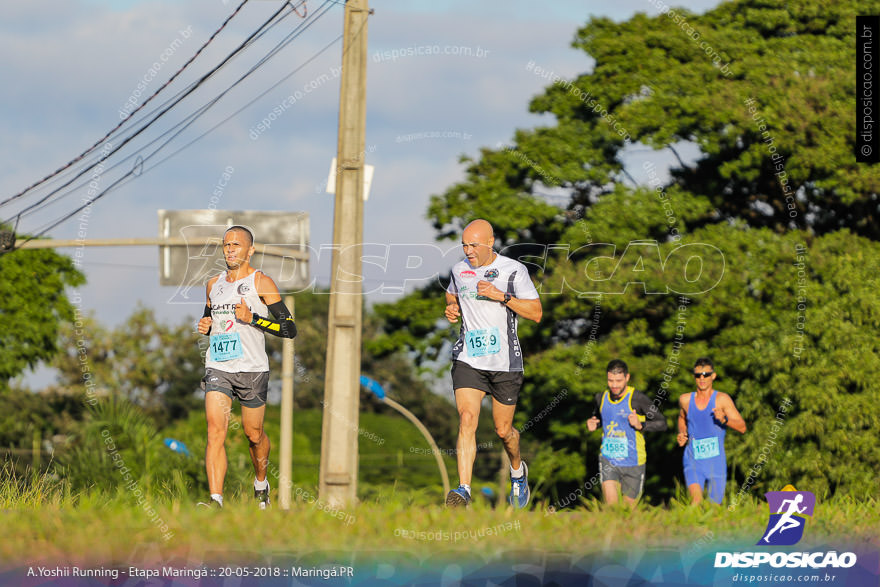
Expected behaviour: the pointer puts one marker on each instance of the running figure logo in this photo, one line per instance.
(788, 511)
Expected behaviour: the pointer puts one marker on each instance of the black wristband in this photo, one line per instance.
(207, 313)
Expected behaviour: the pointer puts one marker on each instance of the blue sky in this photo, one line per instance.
(76, 63)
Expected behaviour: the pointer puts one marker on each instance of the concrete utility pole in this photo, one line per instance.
(285, 472)
(339, 435)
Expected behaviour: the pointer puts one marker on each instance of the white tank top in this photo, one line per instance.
(235, 346)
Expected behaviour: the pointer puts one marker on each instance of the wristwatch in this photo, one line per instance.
(506, 298)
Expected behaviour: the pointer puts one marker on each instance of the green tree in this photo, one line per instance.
(49, 418)
(154, 365)
(119, 446)
(33, 303)
(763, 91)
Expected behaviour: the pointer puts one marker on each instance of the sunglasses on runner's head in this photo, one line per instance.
(704, 374)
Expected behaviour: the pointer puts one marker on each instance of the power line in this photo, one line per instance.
(161, 113)
(138, 168)
(42, 204)
(123, 121)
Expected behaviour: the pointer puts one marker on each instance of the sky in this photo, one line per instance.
(445, 78)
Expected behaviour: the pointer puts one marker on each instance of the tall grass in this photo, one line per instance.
(30, 491)
(85, 512)
(45, 517)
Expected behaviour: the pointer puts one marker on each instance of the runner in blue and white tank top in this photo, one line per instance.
(488, 292)
(236, 315)
(703, 419)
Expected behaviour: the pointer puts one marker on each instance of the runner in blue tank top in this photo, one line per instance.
(702, 423)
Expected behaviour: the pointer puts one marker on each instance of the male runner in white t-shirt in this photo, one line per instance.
(236, 364)
(488, 291)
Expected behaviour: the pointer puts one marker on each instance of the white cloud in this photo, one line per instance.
(75, 63)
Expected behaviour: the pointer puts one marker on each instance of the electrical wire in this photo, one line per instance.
(139, 167)
(193, 116)
(44, 202)
(186, 93)
(123, 121)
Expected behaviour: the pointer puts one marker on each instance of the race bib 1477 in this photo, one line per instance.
(226, 346)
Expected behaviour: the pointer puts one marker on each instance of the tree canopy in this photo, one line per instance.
(33, 303)
(757, 254)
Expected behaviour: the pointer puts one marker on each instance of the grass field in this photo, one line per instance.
(47, 522)
(399, 523)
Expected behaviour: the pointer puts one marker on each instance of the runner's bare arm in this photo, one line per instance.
(682, 419)
(283, 324)
(205, 322)
(726, 413)
(453, 311)
(528, 309)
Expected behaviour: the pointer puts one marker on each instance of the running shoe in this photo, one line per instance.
(210, 504)
(458, 497)
(519, 489)
(262, 497)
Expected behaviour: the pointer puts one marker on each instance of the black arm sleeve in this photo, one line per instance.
(282, 326)
(597, 406)
(644, 407)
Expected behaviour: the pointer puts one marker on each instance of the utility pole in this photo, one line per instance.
(285, 469)
(339, 434)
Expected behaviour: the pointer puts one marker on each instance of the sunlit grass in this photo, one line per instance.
(30, 491)
(43, 520)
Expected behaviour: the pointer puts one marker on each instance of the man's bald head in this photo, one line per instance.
(477, 239)
(478, 229)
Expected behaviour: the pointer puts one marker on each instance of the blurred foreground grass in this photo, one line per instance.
(43, 520)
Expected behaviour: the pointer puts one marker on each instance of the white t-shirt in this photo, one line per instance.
(488, 339)
(236, 347)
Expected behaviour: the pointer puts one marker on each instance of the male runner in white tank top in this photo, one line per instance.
(236, 364)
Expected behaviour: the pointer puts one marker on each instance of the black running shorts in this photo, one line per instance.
(504, 386)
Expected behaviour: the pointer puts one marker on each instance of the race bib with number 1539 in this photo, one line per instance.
(482, 342)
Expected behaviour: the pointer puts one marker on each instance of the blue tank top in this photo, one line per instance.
(705, 445)
(622, 444)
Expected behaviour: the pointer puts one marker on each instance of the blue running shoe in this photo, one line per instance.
(519, 489)
(458, 497)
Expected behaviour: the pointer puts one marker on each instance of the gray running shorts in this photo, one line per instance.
(631, 479)
(251, 389)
